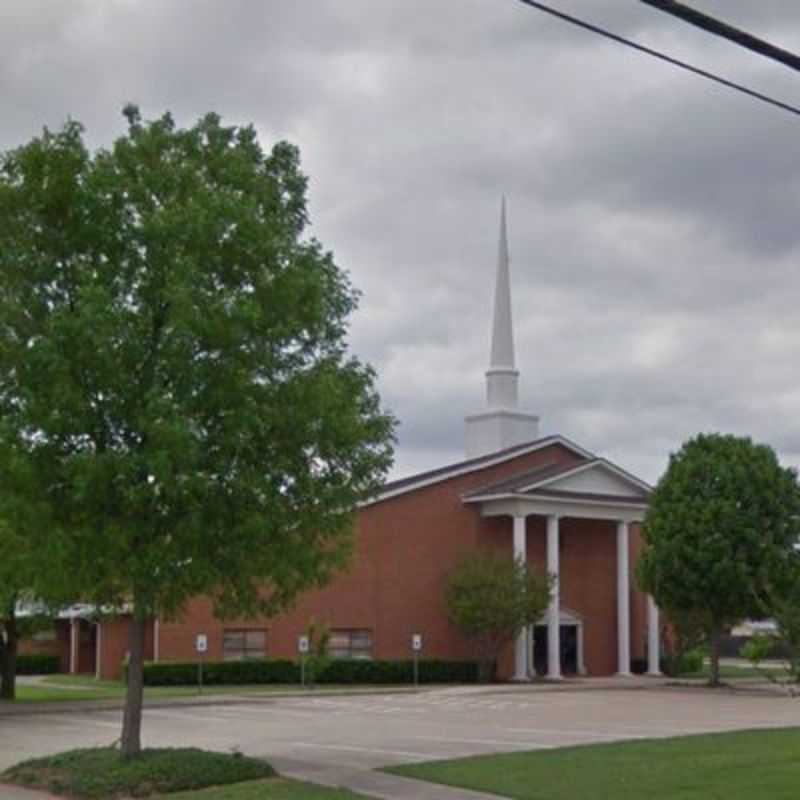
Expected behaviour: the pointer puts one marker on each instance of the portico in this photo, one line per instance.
(592, 490)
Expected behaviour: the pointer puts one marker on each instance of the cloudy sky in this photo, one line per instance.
(654, 218)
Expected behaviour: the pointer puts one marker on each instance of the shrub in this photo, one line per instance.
(101, 773)
(37, 664)
(222, 673)
(337, 670)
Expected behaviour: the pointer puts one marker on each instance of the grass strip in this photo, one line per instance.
(274, 789)
(744, 765)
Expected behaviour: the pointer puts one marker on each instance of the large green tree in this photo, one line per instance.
(179, 413)
(720, 532)
(491, 598)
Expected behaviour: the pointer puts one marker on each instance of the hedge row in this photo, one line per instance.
(253, 671)
(37, 664)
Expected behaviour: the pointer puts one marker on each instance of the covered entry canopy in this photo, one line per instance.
(591, 489)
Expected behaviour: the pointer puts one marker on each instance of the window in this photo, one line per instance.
(240, 644)
(46, 635)
(350, 644)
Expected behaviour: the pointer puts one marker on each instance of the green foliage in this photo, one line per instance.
(101, 774)
(317, 659)
(491, 598)
(687, 636)
(37, 664)
(179, 414)
(719, 531)
(785, 608)
(179, 411)
(337, 671)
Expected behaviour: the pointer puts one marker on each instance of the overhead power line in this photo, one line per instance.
(719, 28)
(661, 56)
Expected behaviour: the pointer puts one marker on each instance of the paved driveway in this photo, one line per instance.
(316, 736)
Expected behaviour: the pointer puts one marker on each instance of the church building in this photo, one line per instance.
(543, 499)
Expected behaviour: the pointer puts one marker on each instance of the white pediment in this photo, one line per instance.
(599, 477)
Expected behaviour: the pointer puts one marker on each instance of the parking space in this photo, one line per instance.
(370, 731)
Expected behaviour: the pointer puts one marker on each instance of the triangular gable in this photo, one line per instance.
(598, 477)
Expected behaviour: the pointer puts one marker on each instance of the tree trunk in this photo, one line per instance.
(716, 636)
(8, 659)
(131, 741)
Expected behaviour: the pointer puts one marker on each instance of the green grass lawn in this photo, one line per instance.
(746, 765)
(732, 672)
(273, 789)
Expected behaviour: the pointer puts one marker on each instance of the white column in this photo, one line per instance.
(581, 662)
(653, 638)
(74, 642)
(623, 602)
(554, 608)
(98, 651)
(521, 643)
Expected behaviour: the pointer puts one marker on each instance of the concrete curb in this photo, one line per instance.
(10, 792)
(117, 704)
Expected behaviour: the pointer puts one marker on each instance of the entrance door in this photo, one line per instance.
(569, 649)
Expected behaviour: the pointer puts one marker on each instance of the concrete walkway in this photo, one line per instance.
(16, 793)
(372, 783)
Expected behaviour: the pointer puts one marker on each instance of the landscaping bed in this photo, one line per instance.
(734, 766)
(102, 774)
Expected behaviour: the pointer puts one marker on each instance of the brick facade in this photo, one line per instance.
(406, 546)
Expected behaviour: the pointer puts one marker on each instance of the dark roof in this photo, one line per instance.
(470, 463)
(523, 479)
(611, 498)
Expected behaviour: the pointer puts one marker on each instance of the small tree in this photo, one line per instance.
(319, 637)
(491, 598)
(178, 408)
(722, 523)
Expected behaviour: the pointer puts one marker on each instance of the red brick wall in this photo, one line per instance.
(114, 646)
(405, 548)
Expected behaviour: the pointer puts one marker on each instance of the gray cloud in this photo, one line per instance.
(653, 216)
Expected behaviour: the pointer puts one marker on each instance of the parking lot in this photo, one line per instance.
(307, 735)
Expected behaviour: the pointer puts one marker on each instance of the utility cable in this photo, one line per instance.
(661, 56)
(719, 28)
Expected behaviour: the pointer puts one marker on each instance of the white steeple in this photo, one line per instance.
(502, 425)
(502, 378)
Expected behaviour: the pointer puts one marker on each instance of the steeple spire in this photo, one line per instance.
(502, 424)
(502, 378)
(502, 331)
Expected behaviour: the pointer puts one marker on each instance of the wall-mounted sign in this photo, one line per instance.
(201, 643)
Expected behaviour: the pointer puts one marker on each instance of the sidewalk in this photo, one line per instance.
(373, 783)
(16, 793)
